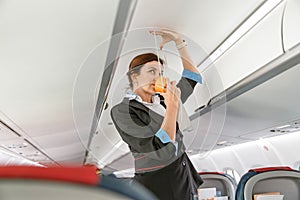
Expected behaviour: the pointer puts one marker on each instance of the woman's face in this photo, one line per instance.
(146, 79)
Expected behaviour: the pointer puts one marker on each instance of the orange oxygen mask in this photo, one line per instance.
(161, 84)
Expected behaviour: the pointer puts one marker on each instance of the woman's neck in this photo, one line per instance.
(145, 96)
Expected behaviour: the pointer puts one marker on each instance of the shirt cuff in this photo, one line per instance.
(165, 138)
(192, 75)
(176, 146)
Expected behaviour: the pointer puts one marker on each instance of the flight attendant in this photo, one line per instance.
(148, 123)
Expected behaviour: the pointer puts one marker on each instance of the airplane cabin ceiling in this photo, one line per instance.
(53, 55)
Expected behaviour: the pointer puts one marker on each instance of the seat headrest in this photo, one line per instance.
(85, 175)
(265, 169)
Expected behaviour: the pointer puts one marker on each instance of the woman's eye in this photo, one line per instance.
(152, 71)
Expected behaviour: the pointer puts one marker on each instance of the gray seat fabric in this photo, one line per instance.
(285, 181)
(222, 182)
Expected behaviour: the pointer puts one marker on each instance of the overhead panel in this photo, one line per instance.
(291, 30)
(14, 147)
(206, 22)
(259, 111)
(103, 142)
(44, 46)
(258, 47)
(221, 125)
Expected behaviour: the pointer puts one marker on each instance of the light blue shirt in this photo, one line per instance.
(165, 138)
(192, 75)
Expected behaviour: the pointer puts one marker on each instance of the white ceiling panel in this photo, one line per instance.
(43, 46)
(207, 22)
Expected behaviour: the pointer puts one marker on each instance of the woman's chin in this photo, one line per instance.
(151, 90)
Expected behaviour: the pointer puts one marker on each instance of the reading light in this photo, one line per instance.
(222, 142)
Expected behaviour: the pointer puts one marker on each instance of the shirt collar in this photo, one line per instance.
(133, 96)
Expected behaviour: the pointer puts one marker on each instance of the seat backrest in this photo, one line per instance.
(76, 183)
(222, 182)
(284, 180)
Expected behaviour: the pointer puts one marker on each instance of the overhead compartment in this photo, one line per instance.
(291, 28)
(252, 52)
(258, 47)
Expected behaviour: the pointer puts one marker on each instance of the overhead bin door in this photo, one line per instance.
(291, 28)
(258, 47)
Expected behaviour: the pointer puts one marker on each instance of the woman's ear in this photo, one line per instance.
(134, 77)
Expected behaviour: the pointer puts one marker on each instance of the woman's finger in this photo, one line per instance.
(170, 84)
(161, 33)
(178, 93)
(162, 44)
(166, 35)
(167, 81)
(173, 82)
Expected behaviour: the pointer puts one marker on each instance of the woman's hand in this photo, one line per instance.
(172, 98)
(167, 36)
(172, 95)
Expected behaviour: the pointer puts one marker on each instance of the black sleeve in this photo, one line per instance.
(138, 131)
(187, 87)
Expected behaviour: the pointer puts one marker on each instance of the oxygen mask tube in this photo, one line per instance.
(160, 84)
(182, 116)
